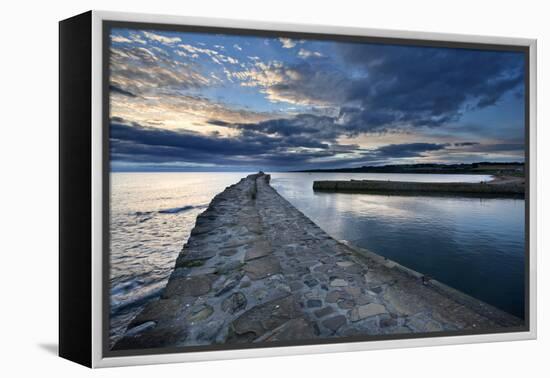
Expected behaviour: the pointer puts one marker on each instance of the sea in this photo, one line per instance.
(473, 244)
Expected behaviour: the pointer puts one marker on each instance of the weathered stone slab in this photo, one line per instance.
(423, 323)
(334, 296)
(155, 337)
(234, 303)
(353, 291)
(253, 225)
(258, 249)
(311, 282)
(262, 268)
(335, 322)
(314, 303)
(199, 230)
(186, 287)
(403, 301)
(388, 322)
(194, 259)
(134, 331)
(162, 308)
(294, 329)
(200, 313)
(229, 252)
(263, 318)
(338, 282)
(366, 311)
(344, 264)
(229, 284)
(346, 304)
(211, 332)
(196, 271)
(229, 266)
(324, 312)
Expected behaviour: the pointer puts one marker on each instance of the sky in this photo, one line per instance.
(183, 101)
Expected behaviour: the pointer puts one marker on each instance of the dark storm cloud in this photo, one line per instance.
(323, 128)
(409, 149)
(217, 122)
(465, 144)
(381, 87)
(424, 86)
(136, 143)
(428, 86)
(307, 130)
(497, 147)
(118, 90)
(187, 142)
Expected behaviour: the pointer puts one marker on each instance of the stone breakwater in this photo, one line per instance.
(512, 187)
(255, 269)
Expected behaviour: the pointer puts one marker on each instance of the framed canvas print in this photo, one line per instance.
(234, 189)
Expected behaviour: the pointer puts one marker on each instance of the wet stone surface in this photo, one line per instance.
(255, 269)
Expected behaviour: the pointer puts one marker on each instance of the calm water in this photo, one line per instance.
(475, 245)
(152, 215)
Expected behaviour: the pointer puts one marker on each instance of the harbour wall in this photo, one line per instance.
(497, 188)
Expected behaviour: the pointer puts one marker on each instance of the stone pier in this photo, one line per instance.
(255, 269)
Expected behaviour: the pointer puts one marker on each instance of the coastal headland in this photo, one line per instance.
(255, 270)
(511, 169)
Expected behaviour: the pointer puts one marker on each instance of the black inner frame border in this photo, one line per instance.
(108, 25)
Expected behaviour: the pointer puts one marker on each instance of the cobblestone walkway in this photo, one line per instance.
(255, 269)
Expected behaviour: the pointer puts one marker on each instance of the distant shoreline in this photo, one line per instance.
(482, 168)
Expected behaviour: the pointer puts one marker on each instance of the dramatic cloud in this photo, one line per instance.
(120, 91)
(393, 86)
(287, 43)
(194, 50)
(409, 149)
(133, 143)
(302, 84)
(179, 111)
(161, 38)
(497, 147)
(303, 53)
(198, 100)
(318, 127)
(120, 39)
(137, 144)
(142, 70)
(427, 86)
(465, 144)
(216, 56)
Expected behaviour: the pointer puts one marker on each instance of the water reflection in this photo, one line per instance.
(473, 244)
